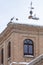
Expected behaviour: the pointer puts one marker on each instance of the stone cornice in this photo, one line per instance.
(33, 62)
(36, 60)
(21, 28)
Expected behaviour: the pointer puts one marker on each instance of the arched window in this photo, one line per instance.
(2, 56)
(28, 47)
(9, 49)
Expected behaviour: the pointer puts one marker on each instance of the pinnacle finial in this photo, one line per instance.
(31, 3)
(31, 12)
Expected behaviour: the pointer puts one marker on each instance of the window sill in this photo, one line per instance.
(31, 56)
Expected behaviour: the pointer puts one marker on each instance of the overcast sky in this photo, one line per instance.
(20, 9)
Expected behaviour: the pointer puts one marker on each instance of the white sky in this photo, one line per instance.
(20, 9)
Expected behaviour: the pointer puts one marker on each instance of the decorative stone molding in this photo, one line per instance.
(20, 28)
(36, 60)
(33, 62)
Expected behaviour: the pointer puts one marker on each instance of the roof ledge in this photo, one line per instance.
(10, 23)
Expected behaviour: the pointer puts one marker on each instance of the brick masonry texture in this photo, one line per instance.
(16, 34)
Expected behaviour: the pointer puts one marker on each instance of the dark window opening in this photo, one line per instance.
(9, 49)
(2, 56)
